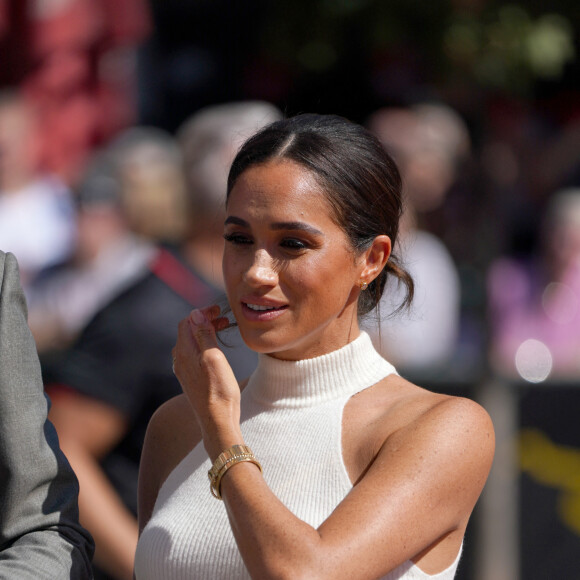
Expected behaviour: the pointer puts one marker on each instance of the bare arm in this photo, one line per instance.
(418, 492)
(88, 430)
(421, 488)
(171, 434)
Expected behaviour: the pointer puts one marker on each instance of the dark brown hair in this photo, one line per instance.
(361, 182)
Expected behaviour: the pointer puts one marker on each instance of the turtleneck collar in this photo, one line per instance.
(341, 373)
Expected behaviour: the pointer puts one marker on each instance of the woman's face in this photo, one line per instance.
(291, 275)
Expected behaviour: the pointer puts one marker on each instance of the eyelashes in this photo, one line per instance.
(289, 244)
(237, 239)
(294, 244)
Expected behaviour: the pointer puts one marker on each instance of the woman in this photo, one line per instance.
(364, 474)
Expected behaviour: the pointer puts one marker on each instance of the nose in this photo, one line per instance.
(261, 272)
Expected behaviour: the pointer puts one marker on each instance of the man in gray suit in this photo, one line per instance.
(40, 535)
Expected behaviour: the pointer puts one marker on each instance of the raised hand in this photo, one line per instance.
(207, 379)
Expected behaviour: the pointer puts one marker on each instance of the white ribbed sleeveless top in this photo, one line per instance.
(291, 417)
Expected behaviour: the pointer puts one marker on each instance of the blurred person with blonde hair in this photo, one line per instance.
(428, 141)
(209, 140)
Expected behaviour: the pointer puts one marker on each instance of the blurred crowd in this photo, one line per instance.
(118, 232)
(112, 260)
(139, 246)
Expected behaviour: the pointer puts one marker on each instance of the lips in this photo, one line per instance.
(261, 310)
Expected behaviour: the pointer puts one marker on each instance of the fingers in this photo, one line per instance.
(200, 366)
(221, 323)
(211, 312)
(204, 323)
(213, 315)
(197, 332)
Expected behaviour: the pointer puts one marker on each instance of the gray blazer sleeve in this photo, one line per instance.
(40, 534)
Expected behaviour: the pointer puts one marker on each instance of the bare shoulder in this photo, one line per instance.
(397, 416)
(454, 430)
(452, 414)
(426, 455)
(415, 410)
(443, 444)
(173, 432)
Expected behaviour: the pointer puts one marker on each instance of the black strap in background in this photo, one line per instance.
(174, 274)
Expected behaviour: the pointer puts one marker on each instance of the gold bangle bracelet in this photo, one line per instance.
(227, 459)
(215, 487)
(233, 451)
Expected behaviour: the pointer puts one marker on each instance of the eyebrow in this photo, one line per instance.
(301, 226)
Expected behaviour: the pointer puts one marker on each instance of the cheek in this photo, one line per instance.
(325, 281)
(231, 270)
(305, 275)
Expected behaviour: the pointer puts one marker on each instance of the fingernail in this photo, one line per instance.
(198, 316)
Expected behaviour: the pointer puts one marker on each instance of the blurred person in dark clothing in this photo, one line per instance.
(119, 371)
(131, 196)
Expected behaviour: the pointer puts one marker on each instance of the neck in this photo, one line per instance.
(342, 372)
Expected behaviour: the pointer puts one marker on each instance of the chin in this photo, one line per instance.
(284, 341)
(261, 342)
(267, 342)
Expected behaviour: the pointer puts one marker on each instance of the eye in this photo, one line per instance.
(294, 244)
(237, 239)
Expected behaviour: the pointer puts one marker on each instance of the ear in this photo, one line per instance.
(375, 258)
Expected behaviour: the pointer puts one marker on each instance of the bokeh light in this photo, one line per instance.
(533, 361)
